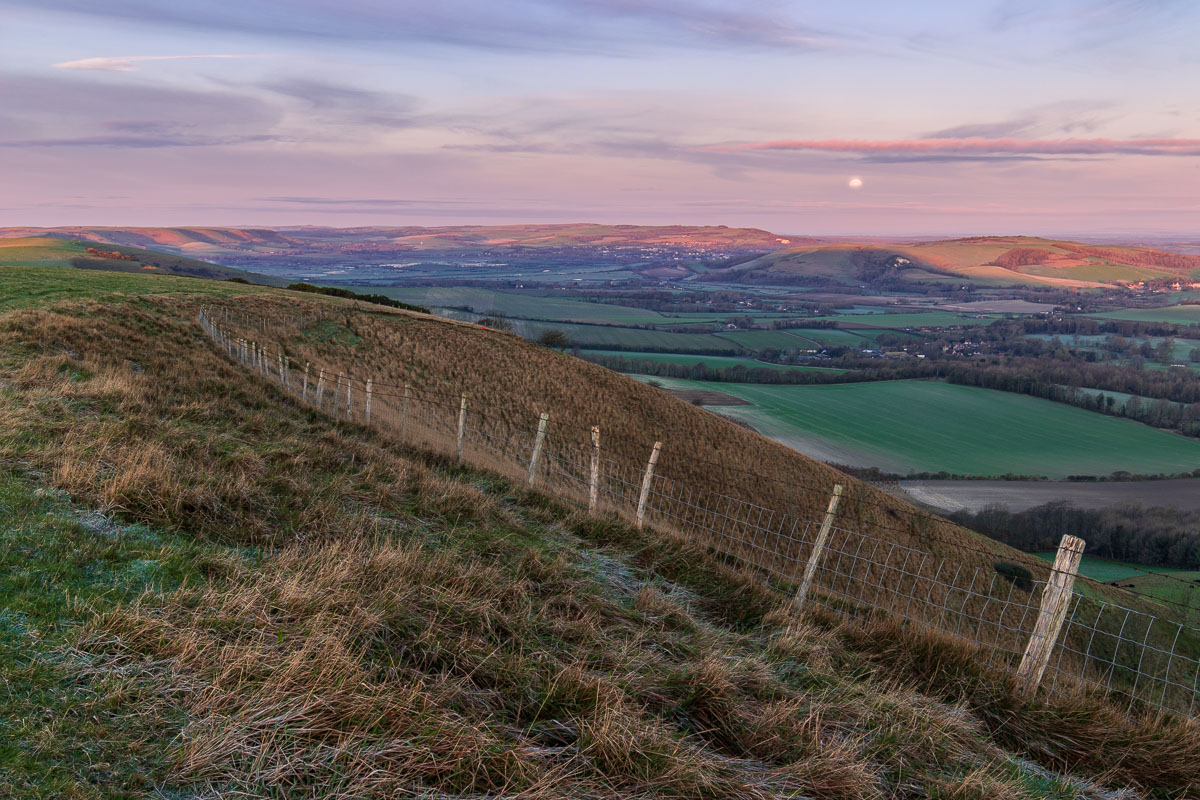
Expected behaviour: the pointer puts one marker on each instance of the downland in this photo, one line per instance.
(211, 590)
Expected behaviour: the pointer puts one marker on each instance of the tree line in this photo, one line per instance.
(1161, 537)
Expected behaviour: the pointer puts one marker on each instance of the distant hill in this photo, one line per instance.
(984, 259)
(559, 235)
(472, 237)
(48, 251)
(181, 240)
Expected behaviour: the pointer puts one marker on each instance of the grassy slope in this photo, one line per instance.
(923, 426)
(53, 252)
(412, 627)
(966, 258)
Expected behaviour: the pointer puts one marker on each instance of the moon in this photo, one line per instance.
(855, 182)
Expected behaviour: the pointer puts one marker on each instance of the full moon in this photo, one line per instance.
(855, 183)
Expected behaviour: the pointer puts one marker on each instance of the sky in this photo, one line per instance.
(1047, 117)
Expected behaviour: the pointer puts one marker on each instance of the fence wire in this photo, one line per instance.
(1147, 662)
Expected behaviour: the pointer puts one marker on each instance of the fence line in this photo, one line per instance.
(1047, 632)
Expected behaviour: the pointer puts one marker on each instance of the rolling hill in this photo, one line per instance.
(71, 253)
(212, 589)
(460, 237)
(999, 260)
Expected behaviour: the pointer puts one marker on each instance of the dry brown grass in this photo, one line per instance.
(413, 628)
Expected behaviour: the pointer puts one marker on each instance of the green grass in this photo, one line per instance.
(489, 301)
(925, 426)
(63, 733)
(1176, 315)
(716, 362)
(920, 319)
(72, 254)
(603, 337)
(1175, 587)
(26, 287)
(792, 339)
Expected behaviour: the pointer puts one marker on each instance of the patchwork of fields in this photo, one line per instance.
(926, 426)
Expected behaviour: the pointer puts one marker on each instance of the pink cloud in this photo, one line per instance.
(977, 147)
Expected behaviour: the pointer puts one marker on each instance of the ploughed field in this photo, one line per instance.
(955, 495)
(927, 426)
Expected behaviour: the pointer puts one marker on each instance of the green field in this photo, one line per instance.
(489, 301)
(1176, 587)
(716, 362)
(920, 319)
(1177, 315)
(925, 426)
(29, 286)
(604, 337)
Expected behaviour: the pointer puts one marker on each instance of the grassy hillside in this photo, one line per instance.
(991, 259)
(54, 252)
(924, 426)
(209, 590)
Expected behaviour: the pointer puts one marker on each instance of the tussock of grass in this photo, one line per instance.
(412, 627)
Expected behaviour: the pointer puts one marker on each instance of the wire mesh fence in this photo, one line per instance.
(1147, 661)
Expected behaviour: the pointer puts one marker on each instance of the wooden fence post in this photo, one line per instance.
(814, 558)
(462, 427)
(321, 388)
(305, 392)
(367, 407)
(283, 371)
(404, 408)
(649, 476)
(594, 478)
(337, 395)
(543, 420)
(349, 398)
(1056, 601)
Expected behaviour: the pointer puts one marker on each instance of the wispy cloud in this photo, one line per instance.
(977, 148)
(130, 63)
(534, 25)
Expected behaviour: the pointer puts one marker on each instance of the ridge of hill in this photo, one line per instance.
(987, 259)
(208, 588)
(418, 238)
(47, 251)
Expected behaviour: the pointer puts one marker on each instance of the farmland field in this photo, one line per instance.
(1178, 587)
(604, 337)
(793, 339)
(488, 301)
(716, 362)
(1178, 315)
(950, 495)
(924, 426)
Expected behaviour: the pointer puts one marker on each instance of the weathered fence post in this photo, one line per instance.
(814, 558)
(367, 407)
(649, 476)
(594, 477)
(337, 394)
(1056, 600)
(349, 398)
(543, 420)
(321, 388)
(404, 408)
(462, 427)
(305, 392)
(283, 371)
